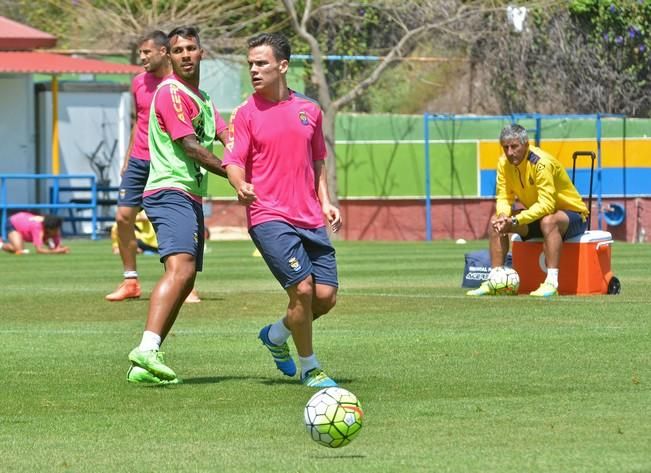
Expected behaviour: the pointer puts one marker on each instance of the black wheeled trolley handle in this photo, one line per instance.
(578, 154)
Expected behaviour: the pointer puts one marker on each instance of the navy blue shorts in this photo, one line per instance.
(576, 227)
(9, 227)
(178, 222)
(292, 253)
(133, 183)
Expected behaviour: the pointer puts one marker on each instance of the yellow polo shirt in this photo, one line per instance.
(540, 183)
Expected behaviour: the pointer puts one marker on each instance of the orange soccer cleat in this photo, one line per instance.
(129, 289)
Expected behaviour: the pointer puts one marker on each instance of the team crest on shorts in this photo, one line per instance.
(294, 264)
(302, 116)
(123, 193)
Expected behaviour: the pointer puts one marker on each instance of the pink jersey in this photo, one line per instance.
(276, 143)
(143, 87)
(30, 227)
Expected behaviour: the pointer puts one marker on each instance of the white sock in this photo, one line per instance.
(278, 333)
(308, 363)
(552, 277)
(131, 275)
(150, 341)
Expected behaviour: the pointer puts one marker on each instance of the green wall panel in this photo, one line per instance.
(397, 170)
(383, 155)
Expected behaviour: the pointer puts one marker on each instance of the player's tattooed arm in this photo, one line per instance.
(201, 155)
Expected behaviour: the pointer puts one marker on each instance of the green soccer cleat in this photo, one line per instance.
(152, 361)
(138, 375)
(545, 290)
(316, 378)
(280, 353)
(484, 290)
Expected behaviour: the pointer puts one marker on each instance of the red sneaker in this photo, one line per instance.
(129, 289)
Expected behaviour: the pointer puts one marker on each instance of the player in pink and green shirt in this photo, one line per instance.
(154, 55)
(275, 160)
(182, 128)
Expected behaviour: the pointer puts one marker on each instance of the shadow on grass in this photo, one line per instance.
(142, 299)
(335, 457)
(212, 379)
(221, 379)
(295, 380)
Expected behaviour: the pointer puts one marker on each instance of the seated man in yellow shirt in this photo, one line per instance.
(553, 208)
(145, 235)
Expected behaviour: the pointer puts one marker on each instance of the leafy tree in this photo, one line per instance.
(45, 16)
(583, 57)
(619, 33)
(393, 31)
(116, 25)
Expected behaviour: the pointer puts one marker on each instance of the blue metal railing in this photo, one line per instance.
(54, 204)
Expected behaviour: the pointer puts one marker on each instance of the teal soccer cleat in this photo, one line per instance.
(316, 378)
(280, 353)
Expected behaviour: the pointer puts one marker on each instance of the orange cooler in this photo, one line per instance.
(584, 268)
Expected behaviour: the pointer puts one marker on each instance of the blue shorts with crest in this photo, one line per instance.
(293, 253)
(178, 222)
(133, 183)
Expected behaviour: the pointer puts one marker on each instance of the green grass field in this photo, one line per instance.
(448, 383)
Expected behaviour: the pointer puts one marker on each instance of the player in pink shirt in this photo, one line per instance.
(43, 231)
(154, 56)
(275, 160)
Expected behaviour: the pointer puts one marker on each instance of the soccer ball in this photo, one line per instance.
(504, 281)
(333, 417)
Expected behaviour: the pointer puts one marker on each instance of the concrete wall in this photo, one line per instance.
(17, 135)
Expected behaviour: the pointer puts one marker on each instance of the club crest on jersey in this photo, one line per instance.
(302, 116)
(294, 264)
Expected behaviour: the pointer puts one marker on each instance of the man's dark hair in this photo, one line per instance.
(158, 37)
(185, 32)
(52, 222)
(279, 44)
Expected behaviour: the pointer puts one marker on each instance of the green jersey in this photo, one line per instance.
(170, 165)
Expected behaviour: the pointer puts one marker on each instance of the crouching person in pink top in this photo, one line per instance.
(43, 231)
(275, 160)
